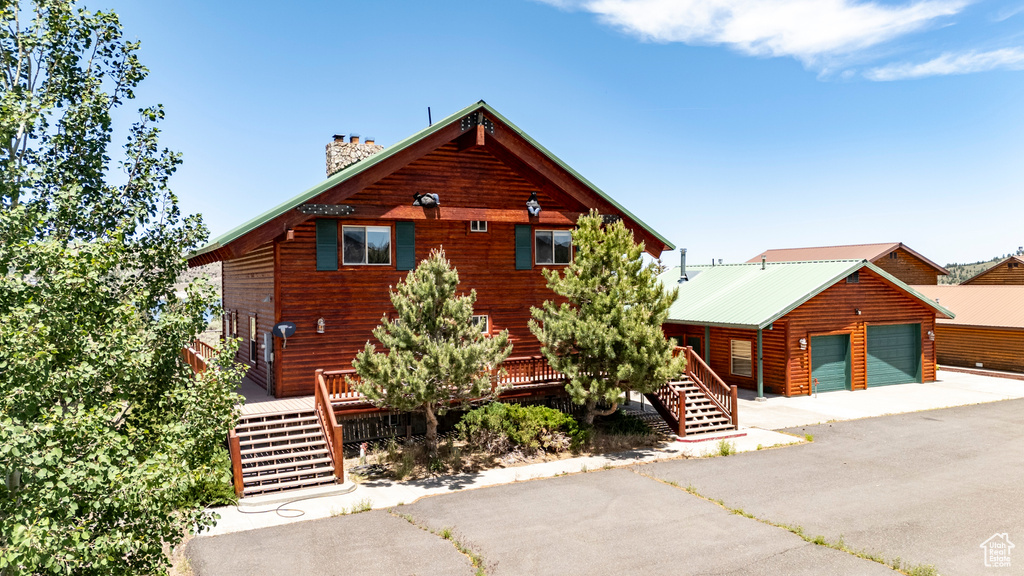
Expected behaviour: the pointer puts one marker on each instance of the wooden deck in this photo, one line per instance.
(258, 402)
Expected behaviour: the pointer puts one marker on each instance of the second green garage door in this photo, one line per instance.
(894, 354)
(830, 362)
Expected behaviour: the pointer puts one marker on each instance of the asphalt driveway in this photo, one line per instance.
(927, 487)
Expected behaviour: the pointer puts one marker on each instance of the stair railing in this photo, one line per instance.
(722, 395)
(329, 425)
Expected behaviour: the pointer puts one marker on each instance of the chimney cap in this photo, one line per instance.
(338, 137)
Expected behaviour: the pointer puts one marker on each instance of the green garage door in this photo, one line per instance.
(894, 354)
(830, 361)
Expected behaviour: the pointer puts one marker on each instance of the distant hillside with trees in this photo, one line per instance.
(960, 272)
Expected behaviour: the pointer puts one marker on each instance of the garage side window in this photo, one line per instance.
(741, 358)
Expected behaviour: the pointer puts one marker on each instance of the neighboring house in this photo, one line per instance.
(1009, 271)
(325, 259)
(779, 326)
(894, 257)
(988, 331)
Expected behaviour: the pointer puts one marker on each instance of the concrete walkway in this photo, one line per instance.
(951, 389)
(324, 502)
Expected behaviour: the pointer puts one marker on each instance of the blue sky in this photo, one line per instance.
(730, 126)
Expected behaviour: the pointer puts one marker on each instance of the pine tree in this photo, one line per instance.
(606, 335)
(436, 356)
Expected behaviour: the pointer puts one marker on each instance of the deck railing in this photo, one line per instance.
(340, 385)
(329, 425)
(197, 355)
(721, 394)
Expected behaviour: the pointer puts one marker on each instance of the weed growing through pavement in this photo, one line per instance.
(840, 544)
(449, 535)
(363, 505)
(809, 437)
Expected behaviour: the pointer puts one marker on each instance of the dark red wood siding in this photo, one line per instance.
(786, 367)
(353, 299)
(248, 289)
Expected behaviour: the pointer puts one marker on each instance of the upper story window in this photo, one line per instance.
(478, 226)
(893, 256)
(853, 278)
(482, 322)
(553, 246)
(366, 245)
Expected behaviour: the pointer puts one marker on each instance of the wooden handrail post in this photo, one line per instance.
(235, 450)
(339, 458)
(682, 412)
(735, 407)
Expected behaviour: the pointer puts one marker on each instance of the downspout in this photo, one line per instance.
(760, 369)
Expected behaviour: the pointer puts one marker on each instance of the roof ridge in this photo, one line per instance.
(832, 246)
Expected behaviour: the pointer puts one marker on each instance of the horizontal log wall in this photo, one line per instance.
(786, 368)
(908, 268)
(247, 283)
(1002, 273)
(995, 348)
(353, 299)
(834, 312)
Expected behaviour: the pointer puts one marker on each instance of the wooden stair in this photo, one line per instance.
(702, 416)
(283, 451)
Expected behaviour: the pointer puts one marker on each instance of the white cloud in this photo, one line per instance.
(809, 30)
(950, 63)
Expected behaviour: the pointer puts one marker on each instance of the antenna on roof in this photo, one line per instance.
(430, 121)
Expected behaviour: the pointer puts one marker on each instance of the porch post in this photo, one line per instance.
(707, 345)
(760, 369)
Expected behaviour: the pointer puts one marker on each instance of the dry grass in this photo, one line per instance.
(411, 462)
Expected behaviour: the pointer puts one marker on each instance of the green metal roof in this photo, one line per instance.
(745, 296)
(362, 165)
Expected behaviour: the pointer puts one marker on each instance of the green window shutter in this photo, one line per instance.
(524, 247)
(326, 244)
(405, 245)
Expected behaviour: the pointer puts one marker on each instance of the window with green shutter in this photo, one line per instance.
(524, 247)
(326, 244)
(405, 245)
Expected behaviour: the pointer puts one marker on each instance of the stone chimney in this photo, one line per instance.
(341, 154)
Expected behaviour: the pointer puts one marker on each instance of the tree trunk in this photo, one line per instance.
(592, 411)
(431, 429)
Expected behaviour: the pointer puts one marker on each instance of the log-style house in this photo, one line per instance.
(1008, 272)
(794, 328)
(499, 203)
(988, 331)
(895, 258)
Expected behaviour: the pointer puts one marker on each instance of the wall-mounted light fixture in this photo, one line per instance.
(532, 206)
(321, 325)
(931, 335)
(856, 311)
(290, 235)
(803, 343)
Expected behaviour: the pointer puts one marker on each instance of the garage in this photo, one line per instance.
(830, 362)
(894, 354)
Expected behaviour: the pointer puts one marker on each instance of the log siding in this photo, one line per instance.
(908, 268)
(248, 290)
(787, 369)
(353, 299)
(994, 348)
